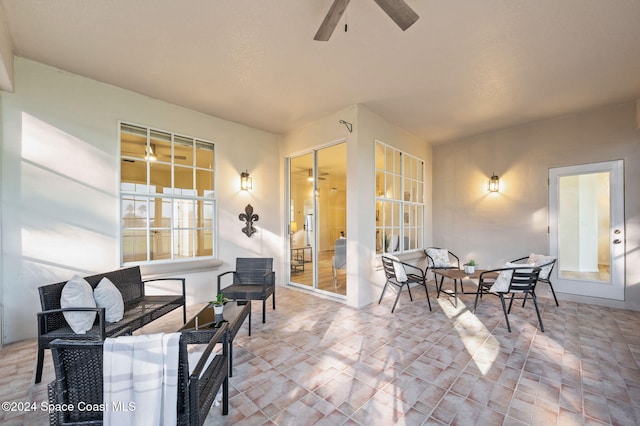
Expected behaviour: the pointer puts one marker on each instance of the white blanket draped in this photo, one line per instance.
(140, 379)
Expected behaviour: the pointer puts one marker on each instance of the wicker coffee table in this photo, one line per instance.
(204, 325)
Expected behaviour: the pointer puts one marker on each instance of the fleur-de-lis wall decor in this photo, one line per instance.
(248, 217)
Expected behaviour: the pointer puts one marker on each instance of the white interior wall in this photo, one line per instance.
(494, 228)
(60, 206)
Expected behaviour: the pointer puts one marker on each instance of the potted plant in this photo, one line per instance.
(218, 304)
(470, 268)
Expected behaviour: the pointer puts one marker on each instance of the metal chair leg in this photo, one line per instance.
(504, 309)
(426, 291)
(383, 290)
(397, 297)
(535, 303)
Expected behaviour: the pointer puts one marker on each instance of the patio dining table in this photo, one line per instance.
(455, 275)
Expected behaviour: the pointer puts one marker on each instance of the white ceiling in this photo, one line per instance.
(465, 67)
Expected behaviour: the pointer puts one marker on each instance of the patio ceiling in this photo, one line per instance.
(465, 67)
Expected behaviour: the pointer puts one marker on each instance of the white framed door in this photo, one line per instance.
(586, 229)
(318, 212)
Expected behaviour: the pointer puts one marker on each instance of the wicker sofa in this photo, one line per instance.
(79, 380)
(139, 310)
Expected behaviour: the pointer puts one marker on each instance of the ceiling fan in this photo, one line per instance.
(151, 152)
(397, 10)
(308, 173)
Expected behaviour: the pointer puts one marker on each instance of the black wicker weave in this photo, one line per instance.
(253, 279)
(78, 368)
(139, 310)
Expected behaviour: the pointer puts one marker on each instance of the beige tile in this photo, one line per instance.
(319, 360)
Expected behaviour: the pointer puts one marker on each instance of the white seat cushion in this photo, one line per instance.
(501, 285)
(539, 260)
(77, 293)
(440, 257)
(398, 268)
(108, 296)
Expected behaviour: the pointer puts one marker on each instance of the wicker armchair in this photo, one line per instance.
(253, 279)
(79, 381)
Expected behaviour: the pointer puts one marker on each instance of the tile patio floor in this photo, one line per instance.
(319, 362)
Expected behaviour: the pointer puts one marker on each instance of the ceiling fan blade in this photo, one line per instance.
(331, 20)
(399, 11)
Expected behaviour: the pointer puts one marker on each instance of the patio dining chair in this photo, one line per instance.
(546, 264)
(399, 274)
(439, 258)
(513, 281)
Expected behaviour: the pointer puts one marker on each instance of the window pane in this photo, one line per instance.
(407, 191)
(160, 178)
(160, 213)
(183, 243)
(133, 141)
(397, 162)
(204, 242)
(183, 214)
(184, 181)
(204, 155)
(183, 151)
(397, 188)
(134, 245)
(204, 181)
(386, 214)
(379, 156)
(134, 212)
(379, 184)
(396, 215)
(133, 176)
(160, 244)
(159, 146)
(388, 192)
(204, 214)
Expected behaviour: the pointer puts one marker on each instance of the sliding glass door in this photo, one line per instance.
(317, 219)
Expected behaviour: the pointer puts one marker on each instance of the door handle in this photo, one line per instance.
(617, 241)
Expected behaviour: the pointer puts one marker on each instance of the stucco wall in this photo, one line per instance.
(493, 228)
(60, 179)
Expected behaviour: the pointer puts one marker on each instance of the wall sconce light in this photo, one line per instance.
(246, 181)
(494, 184)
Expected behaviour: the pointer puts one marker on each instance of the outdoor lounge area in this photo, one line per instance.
(317, 361)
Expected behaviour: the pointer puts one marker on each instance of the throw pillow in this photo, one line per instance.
(401, 274)
(440, 257)
(539, 260)
(77, 293)
(502, 283)
(108, 296)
